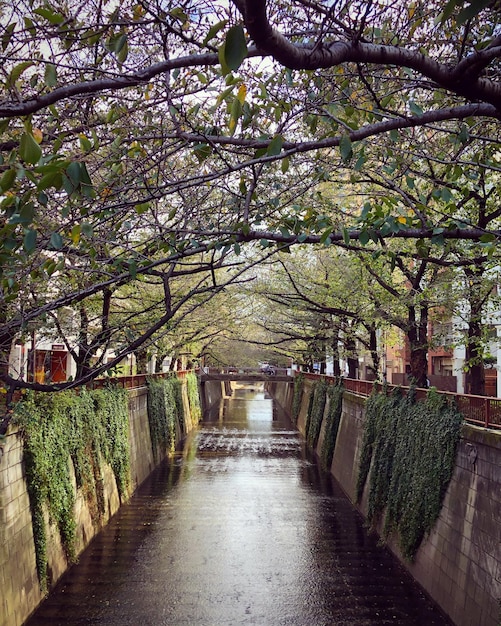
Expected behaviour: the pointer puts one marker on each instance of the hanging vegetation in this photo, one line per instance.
(316, 412)
(165, 414)
(332, 420)
(193, 398)
(298, 396)
(89, 427)
(410, 449)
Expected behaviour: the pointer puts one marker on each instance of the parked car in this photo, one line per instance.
(266, 368)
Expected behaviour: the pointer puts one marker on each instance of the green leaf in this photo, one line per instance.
(50, 75)
(87, 229)
(29, 150)
(178, 14)
(73, 172)
(449, 8)
(235, 48)
(50, 15)
(30, 27)
(464, 135)
(213, 31)
(346, 236)
(6, 37)
(364, 237)
(123, 53)
(202, 151)
(132, 268)
(16, 72)
(235, 113)
(56, 241)
(85, 143)
(325, 238)
(30, 239)
(285, 165)
(487, 238)
(472, 10)
(142, 208)
(225, 70)
(51, 179)
(415, 109)
(345, 147)
(7, 180)
(360, 163)
(275, 146)
(85, 182)
(237, 248)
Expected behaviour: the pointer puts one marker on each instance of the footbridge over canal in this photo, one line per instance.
(216, 383)
(250, 375)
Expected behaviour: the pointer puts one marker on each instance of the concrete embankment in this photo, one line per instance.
(21, 591)
(459, 562)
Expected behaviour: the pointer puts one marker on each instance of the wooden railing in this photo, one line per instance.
(480, 410)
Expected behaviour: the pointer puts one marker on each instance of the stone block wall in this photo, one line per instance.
(459, 563)
(18, 576)
(20, 590)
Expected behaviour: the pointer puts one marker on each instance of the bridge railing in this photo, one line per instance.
(479, 410)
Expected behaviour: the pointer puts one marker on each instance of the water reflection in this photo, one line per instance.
(241, 527)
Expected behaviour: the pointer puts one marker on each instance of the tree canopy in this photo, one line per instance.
(147, 141)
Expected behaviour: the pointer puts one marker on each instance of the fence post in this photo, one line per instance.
(487, 412)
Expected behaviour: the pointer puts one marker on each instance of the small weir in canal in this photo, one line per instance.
(240, 528)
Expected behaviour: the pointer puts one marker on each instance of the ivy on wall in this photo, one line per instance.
(165, 413)
(316, 412)
(193, 398)
(332, 420)
(409, 451)
(88, 427)
(297, 397)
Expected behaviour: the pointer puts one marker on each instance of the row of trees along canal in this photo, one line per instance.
(160, 160)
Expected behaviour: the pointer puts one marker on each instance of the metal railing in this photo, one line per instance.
(479, 410)
(135, 381)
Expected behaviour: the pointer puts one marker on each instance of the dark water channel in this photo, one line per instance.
(241, 527)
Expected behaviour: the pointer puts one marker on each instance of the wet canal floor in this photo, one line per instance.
(240, 528)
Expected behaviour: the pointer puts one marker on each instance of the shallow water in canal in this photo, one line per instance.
(240, 528)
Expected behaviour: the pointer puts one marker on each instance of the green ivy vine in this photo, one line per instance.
(410, 449)
(165, 413)
(332, 421)
(297, 397)
(316, 410)
(87, 427)
(193, 398)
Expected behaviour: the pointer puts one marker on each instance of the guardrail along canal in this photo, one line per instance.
(241, 527)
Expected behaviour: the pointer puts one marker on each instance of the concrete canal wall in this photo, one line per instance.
(211, 394)
(20, 589)
(459, 563)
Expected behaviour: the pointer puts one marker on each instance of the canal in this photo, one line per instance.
(240, 528)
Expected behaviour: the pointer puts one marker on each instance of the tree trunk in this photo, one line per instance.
(352, 357)
(373, 350)
(141, 361)
(417, 335)
(159, 362)
(336, 368)
(475, 375)
(474, 356)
